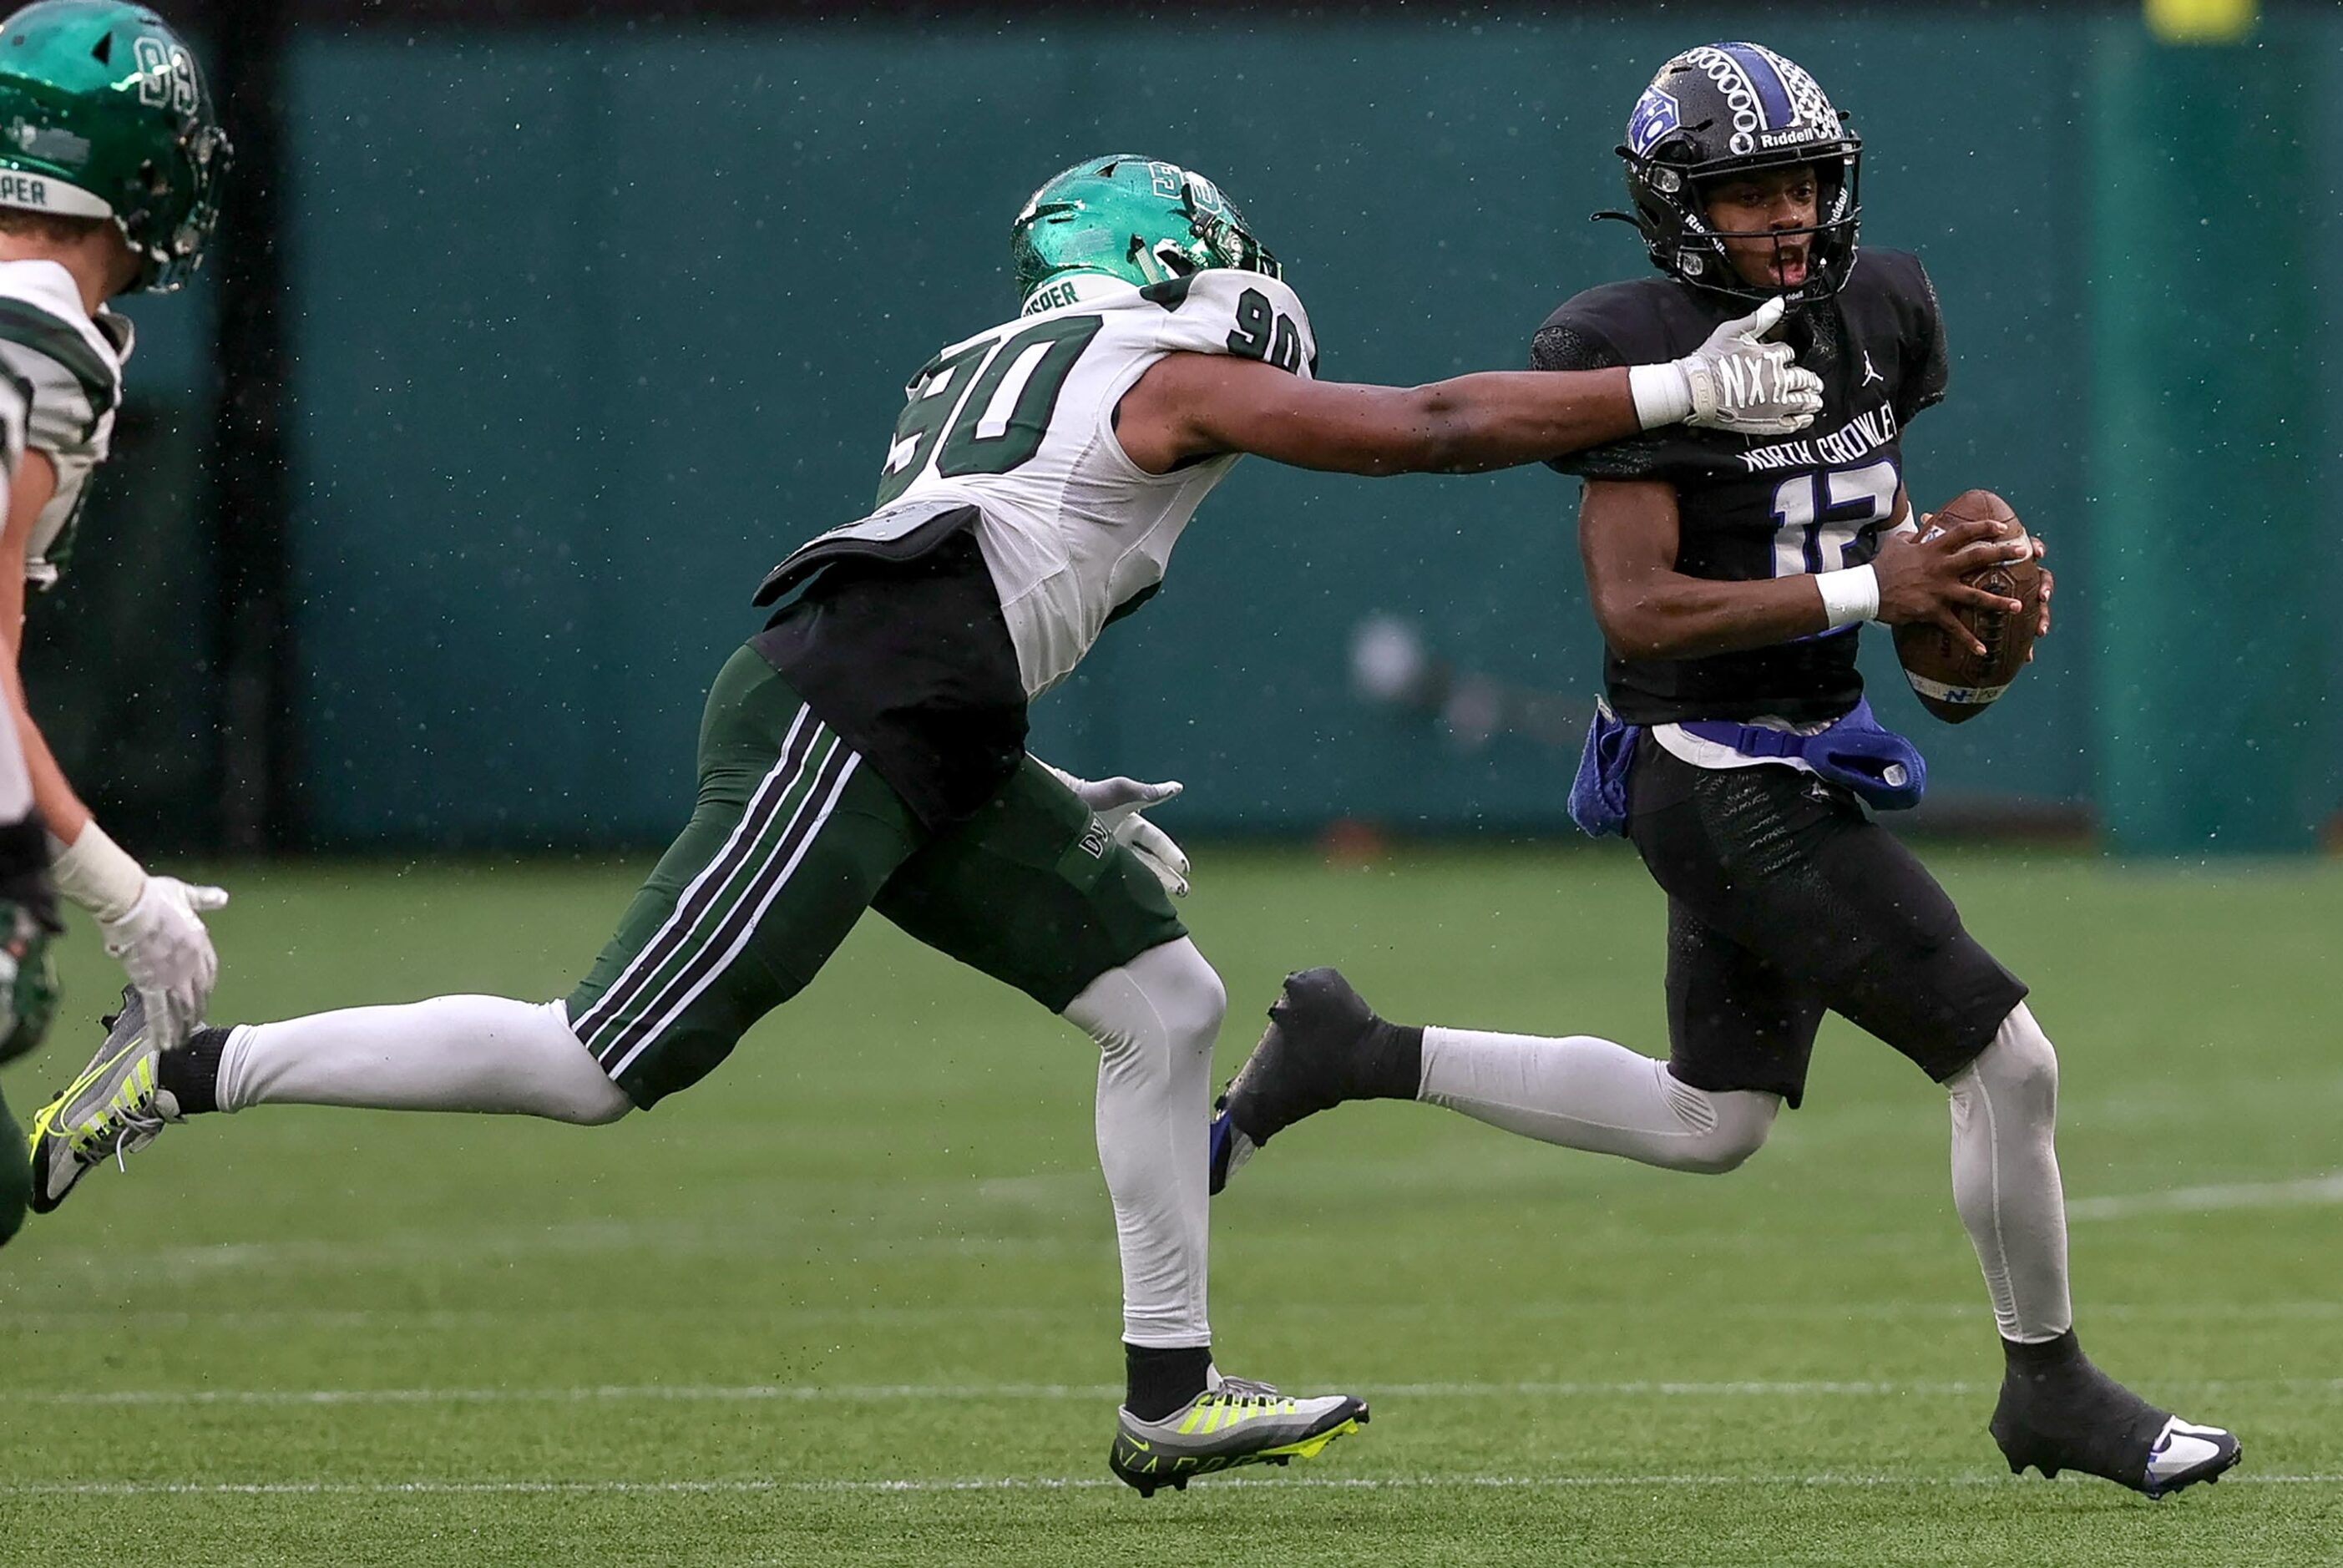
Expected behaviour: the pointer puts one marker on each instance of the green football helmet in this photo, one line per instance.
(104, 113)
(1124, 216)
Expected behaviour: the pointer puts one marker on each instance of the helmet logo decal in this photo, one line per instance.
(51, 142)
(1656, 113)
(167, 76)
(1171, 180)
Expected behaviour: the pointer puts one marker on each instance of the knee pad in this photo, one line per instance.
(1729, 1125)
(2020, 1068)
(1185, 987)
(600, 1110)
(1168, 992)
(585, 1096)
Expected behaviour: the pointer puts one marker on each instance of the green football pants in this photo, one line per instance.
(793, 837)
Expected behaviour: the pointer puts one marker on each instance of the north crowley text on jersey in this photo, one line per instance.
(1866, 433)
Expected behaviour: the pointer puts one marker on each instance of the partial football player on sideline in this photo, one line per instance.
(28, 986)
(109, 175)
(1730, 576)
(867, 748)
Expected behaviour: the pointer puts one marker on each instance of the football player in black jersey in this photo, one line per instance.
(1730, 574)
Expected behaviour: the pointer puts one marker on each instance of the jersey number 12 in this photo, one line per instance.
(1825, 521)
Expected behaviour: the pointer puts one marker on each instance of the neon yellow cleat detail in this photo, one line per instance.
(112, 1110)
(1233, 1423)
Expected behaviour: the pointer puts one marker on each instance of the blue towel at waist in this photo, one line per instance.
(1886, 771)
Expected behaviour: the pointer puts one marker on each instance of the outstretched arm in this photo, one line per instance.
(1189, 407)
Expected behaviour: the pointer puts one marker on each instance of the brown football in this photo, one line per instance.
(1950, 681)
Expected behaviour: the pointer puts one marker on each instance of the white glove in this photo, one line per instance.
(167, 955)
(1735, 381)
(1117, 803)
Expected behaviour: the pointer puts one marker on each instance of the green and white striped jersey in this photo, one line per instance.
(1018, 423)
(67, 370)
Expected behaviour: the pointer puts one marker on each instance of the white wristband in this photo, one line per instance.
(1663, 394)
(1849, 596)
(98, 874)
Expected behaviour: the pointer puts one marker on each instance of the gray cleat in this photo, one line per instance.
(1231, 1422)
(112, 1110)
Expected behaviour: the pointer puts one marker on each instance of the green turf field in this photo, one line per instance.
(853, 1300)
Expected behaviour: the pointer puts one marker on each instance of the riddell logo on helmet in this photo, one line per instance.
(1795, 134)
(23, 190)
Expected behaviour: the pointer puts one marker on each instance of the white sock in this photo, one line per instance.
(2006, 1177)
(1587, 1093)
(482, 1053)
(1155, 1019)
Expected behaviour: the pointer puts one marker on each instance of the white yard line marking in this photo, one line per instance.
(1012, 1484)
(534, 1322)
(2198, 1199)
(876, 1392)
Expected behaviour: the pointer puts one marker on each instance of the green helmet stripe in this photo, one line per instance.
(37, 330)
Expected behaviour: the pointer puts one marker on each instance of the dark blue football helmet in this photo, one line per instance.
(1730, 109)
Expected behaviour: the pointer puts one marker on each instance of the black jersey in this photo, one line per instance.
(1752, 507)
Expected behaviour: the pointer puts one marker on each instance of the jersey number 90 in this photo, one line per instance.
(990, 402)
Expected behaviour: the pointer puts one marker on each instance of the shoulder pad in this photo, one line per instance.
(68, 374)
(1637, 322)
(1222, 310)
(1893, 272)
(1892, 287)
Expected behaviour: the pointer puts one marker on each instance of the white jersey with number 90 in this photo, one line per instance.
(1018, 422)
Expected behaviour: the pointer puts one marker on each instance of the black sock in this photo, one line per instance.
(1391, 1064)
(1159, 1381)
(2049, 1355)
(191, 1073)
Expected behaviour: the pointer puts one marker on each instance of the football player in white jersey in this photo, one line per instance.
(28, 989)
(867, 749)
(109, 171)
